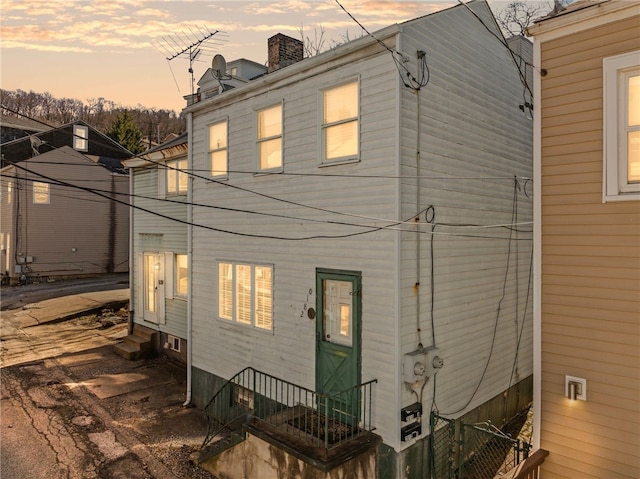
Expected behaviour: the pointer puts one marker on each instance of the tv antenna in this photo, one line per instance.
(192, 45)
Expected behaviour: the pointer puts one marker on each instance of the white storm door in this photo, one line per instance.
(153, 287)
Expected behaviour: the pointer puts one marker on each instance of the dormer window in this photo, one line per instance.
(80, 138)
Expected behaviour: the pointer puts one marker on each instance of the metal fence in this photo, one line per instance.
(317, 419)
(472, 451)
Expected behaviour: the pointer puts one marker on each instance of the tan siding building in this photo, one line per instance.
(588, 243)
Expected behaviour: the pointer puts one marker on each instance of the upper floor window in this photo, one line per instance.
(9, 192)
(621, 93)
(270, 138)
(340, 131)
(218, 148)
(80, 138)
(40, 193)
(177, 177)
(245, 294)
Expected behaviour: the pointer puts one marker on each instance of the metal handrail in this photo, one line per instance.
(317, 419)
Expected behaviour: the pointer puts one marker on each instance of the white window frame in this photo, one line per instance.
(177, 169)
(269, 139)
(616, 70)
(41, 193)
(9, 192)
(254, 322)
(80, 138)
(172, 279)
(220, 174)
(324, 127)
(173, 343)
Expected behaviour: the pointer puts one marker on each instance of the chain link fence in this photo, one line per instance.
(443, 447)
(472, 451)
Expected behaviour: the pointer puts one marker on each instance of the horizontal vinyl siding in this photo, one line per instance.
(73, 218)
(590, 270)
(470, 126)
(153, 233)
(289, 350)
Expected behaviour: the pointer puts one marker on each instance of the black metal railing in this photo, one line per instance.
(317, 419)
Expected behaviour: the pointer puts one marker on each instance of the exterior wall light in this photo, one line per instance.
(575, 388)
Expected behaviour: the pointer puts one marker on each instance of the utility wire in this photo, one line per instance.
(504, 43)
(498, 311)
(414, 84)
(392, 226)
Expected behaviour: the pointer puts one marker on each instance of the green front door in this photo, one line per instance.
(338, 325)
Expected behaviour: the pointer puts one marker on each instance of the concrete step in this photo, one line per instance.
(138, 342)
(137, 345)
(144, 332)
(127, 351)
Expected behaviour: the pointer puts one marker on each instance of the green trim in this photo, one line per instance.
(340, 275)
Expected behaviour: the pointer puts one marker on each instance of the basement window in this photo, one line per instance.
(173, 343)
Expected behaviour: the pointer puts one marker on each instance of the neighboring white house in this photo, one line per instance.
(365, 214)
(159, 246)
(45, 176)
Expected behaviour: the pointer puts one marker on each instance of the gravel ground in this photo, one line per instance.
(144, 433)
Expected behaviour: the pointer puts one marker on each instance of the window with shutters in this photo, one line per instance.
(245, 294)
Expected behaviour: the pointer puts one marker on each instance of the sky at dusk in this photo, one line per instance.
(118, 49)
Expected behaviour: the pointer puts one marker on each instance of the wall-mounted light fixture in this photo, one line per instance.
(575, 388)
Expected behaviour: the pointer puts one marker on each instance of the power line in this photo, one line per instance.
(503, 42)
(392, 226)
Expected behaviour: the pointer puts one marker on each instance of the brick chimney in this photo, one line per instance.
(284, 51)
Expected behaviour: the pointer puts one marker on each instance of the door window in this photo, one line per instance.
(337, 311)
(151, 276)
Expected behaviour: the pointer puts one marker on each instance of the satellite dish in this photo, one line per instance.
(219, 66)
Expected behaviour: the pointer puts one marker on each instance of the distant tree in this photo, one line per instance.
(124, 131)
(519, 14)
(98, 112)
(316, 45)
(313, 46)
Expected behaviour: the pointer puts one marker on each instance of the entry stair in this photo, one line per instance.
(313, 426)
(137, 345)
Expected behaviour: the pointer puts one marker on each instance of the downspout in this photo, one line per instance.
(189, 255)
(110, 267)
(131, 262)
(416, 287)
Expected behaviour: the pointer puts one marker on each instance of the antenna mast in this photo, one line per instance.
(190, 45)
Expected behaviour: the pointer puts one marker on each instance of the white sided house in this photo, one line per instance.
(361, 237)
(159, 237)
